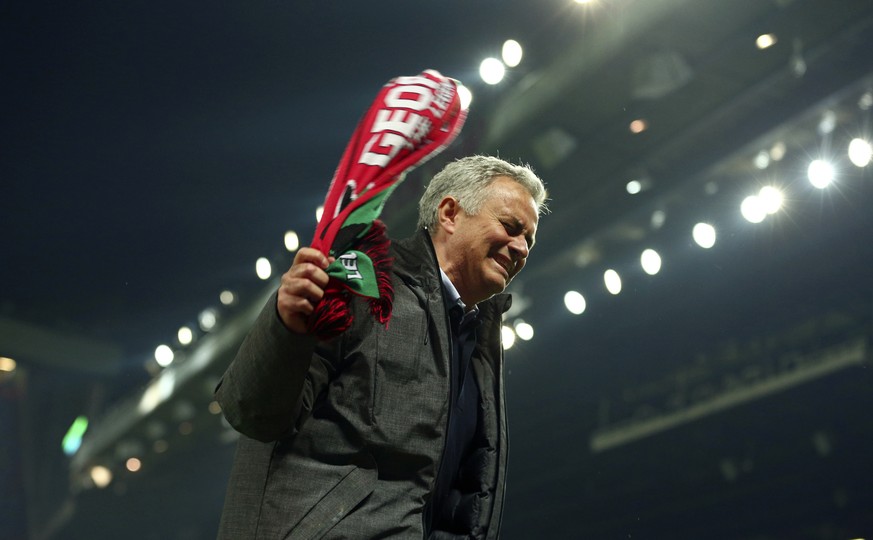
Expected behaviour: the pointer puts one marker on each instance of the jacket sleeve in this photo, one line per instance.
(276, 373)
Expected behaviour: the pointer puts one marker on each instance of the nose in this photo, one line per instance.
(519, 249)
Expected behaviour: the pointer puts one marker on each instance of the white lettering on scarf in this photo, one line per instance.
(350, 263)
(398, 126)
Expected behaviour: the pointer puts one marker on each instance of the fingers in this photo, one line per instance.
(302, 287)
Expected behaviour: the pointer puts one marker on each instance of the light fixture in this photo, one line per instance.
(638, 126)
(185, 336)
(820, 173)
(612, 281)
(827, 123)
(860, 152)
(492, 70)
(523, 330)
(650, 260)
(659, 217)
(511, 53)
(319, 212)
(574, 302)
(263, 268)
(752, 209)
(164, 355)
(466, 97)
(704, 235)
(7, 364)
(507, 336)
(227, 298)
(207, 319)
(777, 151)
(762, 160)
(765, 41)
(133, 464)
(101, 476)
(292, 241)
(771, 198)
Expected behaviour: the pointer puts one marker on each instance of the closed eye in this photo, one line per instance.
(515, 228)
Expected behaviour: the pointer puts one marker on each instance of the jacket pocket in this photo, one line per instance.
(335, 505)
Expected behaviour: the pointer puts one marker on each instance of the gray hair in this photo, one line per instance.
(467, 179)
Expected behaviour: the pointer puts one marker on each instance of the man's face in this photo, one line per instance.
(485, 251)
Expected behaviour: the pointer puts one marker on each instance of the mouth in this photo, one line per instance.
(504, 264)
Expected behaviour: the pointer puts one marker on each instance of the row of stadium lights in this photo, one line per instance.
(755, 208)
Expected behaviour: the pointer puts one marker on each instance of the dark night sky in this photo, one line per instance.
(151, 152)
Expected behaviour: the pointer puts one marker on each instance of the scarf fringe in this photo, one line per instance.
(333, 315)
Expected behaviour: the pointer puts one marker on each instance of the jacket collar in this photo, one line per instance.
(415, 262)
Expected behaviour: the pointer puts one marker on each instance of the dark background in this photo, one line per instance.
(151, 152)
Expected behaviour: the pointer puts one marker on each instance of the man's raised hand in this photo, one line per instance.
(301, 288)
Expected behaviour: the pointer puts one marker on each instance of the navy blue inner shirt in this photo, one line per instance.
(464, 397)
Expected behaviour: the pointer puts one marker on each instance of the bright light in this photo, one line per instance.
(158, 391)
(292, 242)
(207, 319)
(101, 476)
(73, 439)
(634, 186)
(185, 335)
(133, 464)
(466, 97)
(704, 235)
(318, 213)
(7, 364)
(777, 152)
(583, 1)
(860, 152)
(164, 355)
(512, 53)
(650, 261)
(820, 173)
(492, 70)
(524, 331)
(263, 268)
(227, 298)
(771, 199)
(765, 41)
(752, 209)
(612, 281)
(507, 336)
(575, 302)
(827, 123)
(762, 160)
(638, 126)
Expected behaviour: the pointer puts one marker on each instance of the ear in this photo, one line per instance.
(447, 213)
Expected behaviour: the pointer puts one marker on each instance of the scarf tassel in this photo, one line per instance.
(332, 315)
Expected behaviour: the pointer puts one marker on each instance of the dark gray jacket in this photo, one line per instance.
(343, 439)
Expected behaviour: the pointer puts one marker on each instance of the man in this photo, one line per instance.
(397, 431)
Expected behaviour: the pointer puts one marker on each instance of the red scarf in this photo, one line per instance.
(411, 120)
